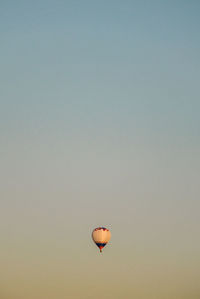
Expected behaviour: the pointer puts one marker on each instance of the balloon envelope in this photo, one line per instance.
(101, 236)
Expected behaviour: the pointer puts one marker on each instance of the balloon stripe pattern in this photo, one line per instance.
(101, 236)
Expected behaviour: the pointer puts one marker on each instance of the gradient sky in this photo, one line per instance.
(100, 125)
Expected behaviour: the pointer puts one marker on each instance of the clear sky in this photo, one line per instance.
(99, 125)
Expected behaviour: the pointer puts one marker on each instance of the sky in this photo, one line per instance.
(99, 126)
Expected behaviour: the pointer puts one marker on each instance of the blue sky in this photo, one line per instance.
(135, 64)
(99, 125)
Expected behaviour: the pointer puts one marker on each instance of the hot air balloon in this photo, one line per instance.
(101, 236)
